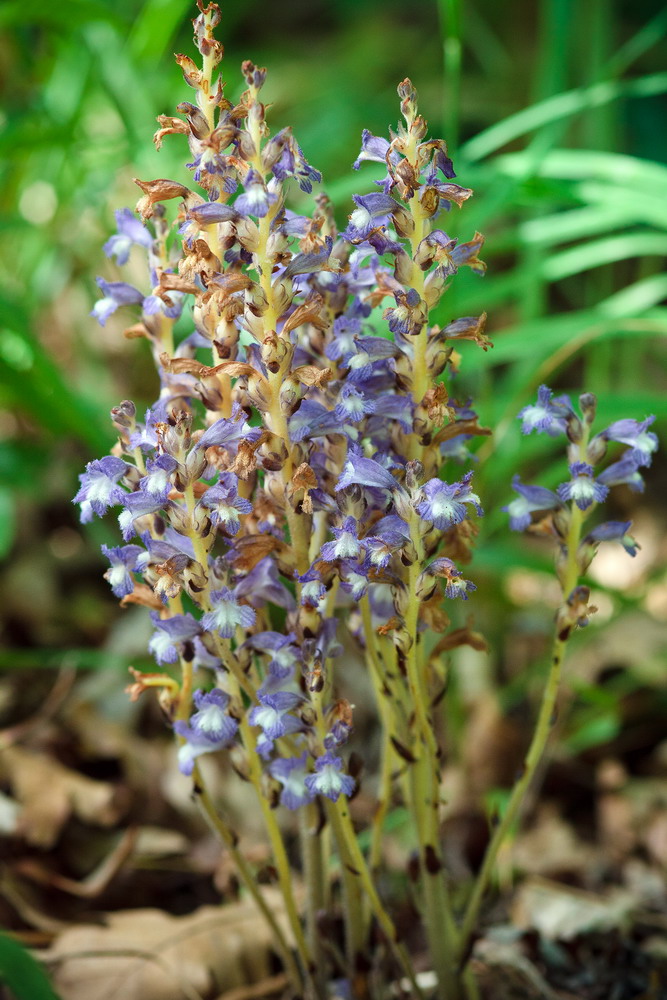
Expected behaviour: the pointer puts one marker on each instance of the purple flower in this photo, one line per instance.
(439, 247)
(312, 588)
(634, 433)
(130, 231)
(136, 505)
(327, 646)
(281, 649)
(169, 633)
(170, 305)
(225, 504)
(448, 254)
(582, 488)
(329, 778)
(614, 531)
(530, 498)
(346, 329)
(211, 212)
(157, 483)
(262, 584)
(99, 485)
(346, 544)
(444, 504)
(408, 316)
(390, 535)
(547, 414)
(352, 405)
(368, 351)
(116, 294)
(226, 613)
(123, 559)
(360, 471)
(312, 420)
(203, 659)
(211, 717)
(255, 200)
(374, 149)
(308, 263)
(353, 579)
(291, 773)
(284, 157)
(339, 734)
(210, 161)
(625, 471)
(372, 210)
(455, 586)
(210, 729)
(171, 545)
(228, 433)
(391, 406)
(272, 714)
(466, 255)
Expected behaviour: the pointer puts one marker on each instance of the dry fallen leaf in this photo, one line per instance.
(146, 954)
(49, 793)
(558, 912)
(551, 847)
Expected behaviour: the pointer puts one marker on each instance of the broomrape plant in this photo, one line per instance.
(302, 493)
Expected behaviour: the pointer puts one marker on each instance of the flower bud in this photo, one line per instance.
(596, 450)
(573, 429)
(588, 403)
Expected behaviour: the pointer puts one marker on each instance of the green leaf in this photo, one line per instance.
(572, 102)
(7, 521)
(600, 729)
(599, 252)
(22, 973)
(636, 298)
(581, 164)
(155, 27)
(33, 384)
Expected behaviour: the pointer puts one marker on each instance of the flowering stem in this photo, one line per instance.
(276, 841)
(545, 721)
(314, 877)
(228, 838)
(185, 694)
(353, 901)
(198, 546)
(295, 522)
(425, 795)
(339, 817)
(388, 702)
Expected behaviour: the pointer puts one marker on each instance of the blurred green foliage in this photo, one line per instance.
(554, 112)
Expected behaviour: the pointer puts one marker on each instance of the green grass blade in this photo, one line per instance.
(606, 251)
(154, 28)
(572, 102)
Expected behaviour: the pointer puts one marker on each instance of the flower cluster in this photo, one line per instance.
(300, 470)
(298, 488)
(589, 484)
